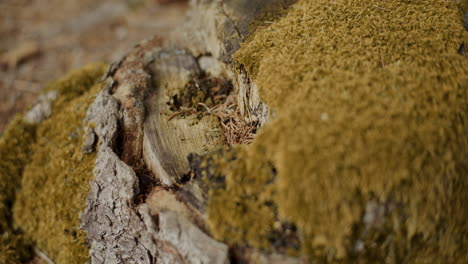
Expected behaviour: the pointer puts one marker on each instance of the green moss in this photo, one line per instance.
(15, 149)
(370, 102)
(464, 5)
(234, 194)
(56, 180)
(47, 162)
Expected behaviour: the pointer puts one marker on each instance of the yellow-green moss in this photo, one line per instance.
(234, 194)
(44, 167)
(15, 152)
(370, 101)
(56, 180)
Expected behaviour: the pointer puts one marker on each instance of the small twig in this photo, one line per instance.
(381, 8)
(182, 112)
(208, 110)
(42, 256)
(174, 115)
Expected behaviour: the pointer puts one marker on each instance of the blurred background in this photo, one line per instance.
(40, 40)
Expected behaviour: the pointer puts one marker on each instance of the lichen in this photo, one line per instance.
(370, 102)
(47, 163)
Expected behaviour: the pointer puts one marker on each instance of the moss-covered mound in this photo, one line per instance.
(369, 143)
(44, 175)
(15, 149)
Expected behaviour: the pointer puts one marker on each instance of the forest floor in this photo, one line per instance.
(42, 40)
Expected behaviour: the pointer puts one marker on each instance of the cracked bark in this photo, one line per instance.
(139, 209)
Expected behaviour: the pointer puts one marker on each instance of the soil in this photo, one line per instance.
(42, 40)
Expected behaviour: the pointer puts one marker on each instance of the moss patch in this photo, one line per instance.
(15, 152)
(47, 162)
(370, 102)
(233, 194)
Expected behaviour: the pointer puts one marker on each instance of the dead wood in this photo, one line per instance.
(144, 205)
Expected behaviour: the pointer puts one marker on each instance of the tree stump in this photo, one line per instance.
(360, 157)
(162, 103)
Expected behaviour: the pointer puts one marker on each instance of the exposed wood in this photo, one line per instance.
(143, 206)
(218, 28)
(168, 141)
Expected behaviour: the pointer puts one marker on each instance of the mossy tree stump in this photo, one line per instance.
(163, 102)
(337, 173)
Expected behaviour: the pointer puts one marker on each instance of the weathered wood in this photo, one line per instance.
(143, 206)
(168, 142)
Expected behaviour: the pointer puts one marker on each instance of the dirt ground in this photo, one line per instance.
(40, 40)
